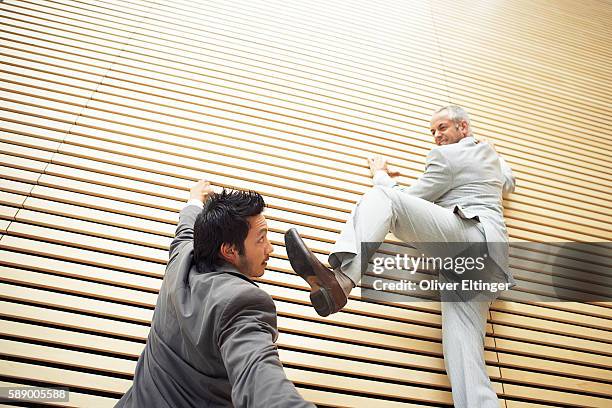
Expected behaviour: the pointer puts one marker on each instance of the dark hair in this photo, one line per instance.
(223, 220)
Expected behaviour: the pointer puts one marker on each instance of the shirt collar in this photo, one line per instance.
(467, 139)
(231, 269)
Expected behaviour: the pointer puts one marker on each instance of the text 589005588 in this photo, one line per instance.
(34, 394)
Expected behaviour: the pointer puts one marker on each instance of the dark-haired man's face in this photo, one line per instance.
(257, 248)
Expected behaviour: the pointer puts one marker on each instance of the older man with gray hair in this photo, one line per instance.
(458, 199)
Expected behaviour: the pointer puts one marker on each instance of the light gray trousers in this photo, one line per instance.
(414, 220)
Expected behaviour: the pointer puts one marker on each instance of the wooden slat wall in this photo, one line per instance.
(110, 110)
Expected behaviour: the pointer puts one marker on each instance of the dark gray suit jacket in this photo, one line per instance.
(212, 338)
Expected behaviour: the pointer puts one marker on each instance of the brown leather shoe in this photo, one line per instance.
(326, 295)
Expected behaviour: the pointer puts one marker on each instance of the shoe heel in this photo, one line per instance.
(321, 301)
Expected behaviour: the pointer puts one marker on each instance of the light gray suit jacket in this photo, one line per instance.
(212, 338)
(470, 178)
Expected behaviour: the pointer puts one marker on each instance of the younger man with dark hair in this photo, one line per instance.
(212, 336)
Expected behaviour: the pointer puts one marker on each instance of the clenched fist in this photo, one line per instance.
(201, 191)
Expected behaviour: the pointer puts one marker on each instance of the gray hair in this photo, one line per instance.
(455, 113)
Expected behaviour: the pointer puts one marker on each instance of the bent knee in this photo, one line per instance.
(377, 193)
(375, 199)
(396, 196)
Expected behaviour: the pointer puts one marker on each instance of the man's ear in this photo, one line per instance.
(464, 127)
(228, 252)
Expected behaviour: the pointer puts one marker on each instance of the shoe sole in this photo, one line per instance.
(321, 300)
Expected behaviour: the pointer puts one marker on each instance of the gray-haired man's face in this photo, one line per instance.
(445, 131)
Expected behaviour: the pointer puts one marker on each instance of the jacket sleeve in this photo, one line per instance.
(435, 181)
(508, 177)
(246, 336)
(184, 229)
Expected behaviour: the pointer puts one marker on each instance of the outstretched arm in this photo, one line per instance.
(245, 336)
(184, 230)
(432, 184)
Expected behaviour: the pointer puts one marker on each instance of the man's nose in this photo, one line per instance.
(270, 248)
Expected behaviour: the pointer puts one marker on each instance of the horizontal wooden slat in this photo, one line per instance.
(7, 213)
(78, 287)
(101, 260)
(86, 272)
(37, 332)
(377, 50)
(75, 321)
(57, 376)
(544, 395)
(13, 200)
(4, 224)
(20, 169)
